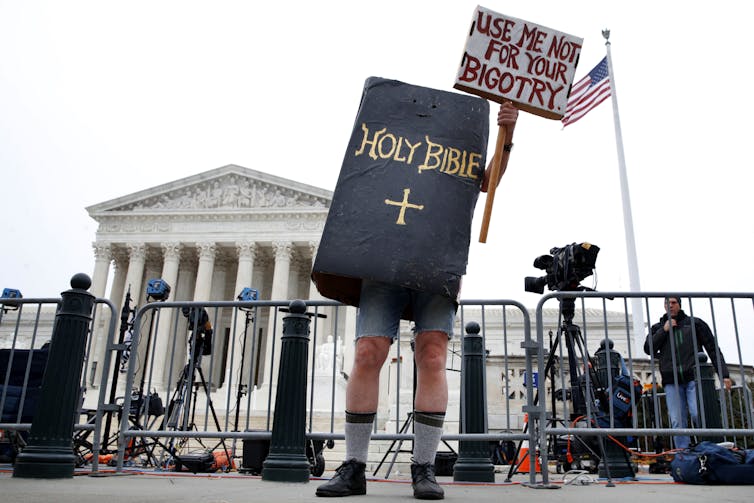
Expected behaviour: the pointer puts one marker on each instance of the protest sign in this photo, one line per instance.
(506, 58)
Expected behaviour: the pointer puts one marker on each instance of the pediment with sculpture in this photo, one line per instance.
(233, 188)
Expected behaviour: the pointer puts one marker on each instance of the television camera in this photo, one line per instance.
(565, 267)
(608, 387)
(200, 328)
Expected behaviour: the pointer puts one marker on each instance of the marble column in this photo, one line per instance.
(145, 351)
(282, 251)
(184, 292)
(152, 268)
(120, 270)
(239, 350)
(171, 253)
(102, 257)
(137, 255)
(206, 253)
(129, 273)
(213, 363)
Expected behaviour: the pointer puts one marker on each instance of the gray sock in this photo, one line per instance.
(427, 432)
(359, 427)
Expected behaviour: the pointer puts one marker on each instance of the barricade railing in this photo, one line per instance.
(231, 408)
(169, 393)
(590, 412)
(26, 326)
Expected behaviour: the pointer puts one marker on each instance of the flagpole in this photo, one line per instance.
(633, 266)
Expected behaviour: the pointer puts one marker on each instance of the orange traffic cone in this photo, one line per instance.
(522, 463)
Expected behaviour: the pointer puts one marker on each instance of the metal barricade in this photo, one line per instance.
(26, 326)
(182, 382)
(590, 412)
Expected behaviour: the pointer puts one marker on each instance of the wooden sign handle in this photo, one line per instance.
(502, 132)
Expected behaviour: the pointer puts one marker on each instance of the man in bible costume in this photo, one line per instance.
(395, 244)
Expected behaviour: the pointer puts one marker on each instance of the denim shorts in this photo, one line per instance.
(381, 306)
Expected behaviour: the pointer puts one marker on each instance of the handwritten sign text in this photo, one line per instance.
(511, 59)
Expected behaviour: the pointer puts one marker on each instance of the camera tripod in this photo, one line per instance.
(582, 390)
(181, 413)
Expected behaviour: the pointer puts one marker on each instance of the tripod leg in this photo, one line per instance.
(214, 414)
(603, 450)
(549, 365)
(403, 429)
(172, 418)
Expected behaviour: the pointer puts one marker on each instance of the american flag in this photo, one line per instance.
(587, 93)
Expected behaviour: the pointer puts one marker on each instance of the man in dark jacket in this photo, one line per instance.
(678, 359)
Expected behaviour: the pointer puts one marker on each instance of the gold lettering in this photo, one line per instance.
(391, 137)
(453, 166)
(366, 142)
(412, 149)
(464, 173)
(398, 151)
(434, 150)
(451, 160)
(474, 159)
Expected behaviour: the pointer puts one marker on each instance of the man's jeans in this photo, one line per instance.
(681, 402)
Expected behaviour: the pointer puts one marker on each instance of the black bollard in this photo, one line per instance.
(287, 461)
(607, 362)
(474, 463)
(710, 408)
(49, 453)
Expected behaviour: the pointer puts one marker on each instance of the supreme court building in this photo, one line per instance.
(208, 236)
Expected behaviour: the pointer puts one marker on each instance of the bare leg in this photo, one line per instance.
(363, 388)
(431, 354)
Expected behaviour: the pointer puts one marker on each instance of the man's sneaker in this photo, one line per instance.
(424, 483)
(349, 479)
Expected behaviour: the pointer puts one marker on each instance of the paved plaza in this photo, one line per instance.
(170, 487)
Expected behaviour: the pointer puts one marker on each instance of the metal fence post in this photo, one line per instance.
(709, 404)
(49, 453)
(287, 461)
(474, 463)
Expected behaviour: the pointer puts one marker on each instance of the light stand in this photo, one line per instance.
(157, 291)
(241, 388)
(126, 324)
(247, 294)
(9, 293)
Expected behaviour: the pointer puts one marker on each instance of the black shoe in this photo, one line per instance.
(349, 479)
(424, 483)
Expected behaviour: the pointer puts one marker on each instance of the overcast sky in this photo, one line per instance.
(99, 99)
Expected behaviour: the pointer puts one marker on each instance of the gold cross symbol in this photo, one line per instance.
(404, 204)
